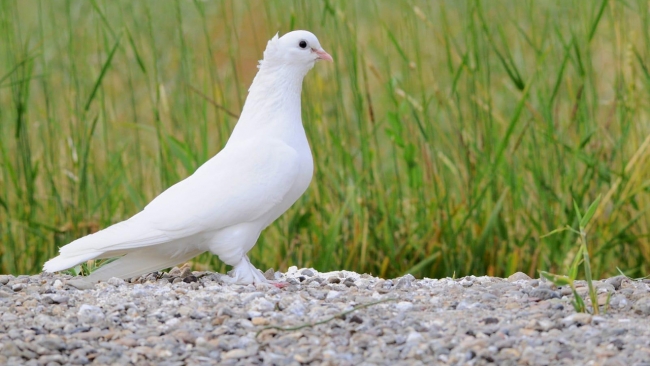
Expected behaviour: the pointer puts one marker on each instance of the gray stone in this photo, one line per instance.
(81, 284)
(90, 314)
(114, 281)
(615, 282)
(175, 272)
(54, 299)
(186, 271)
(51, 342)
(334, 279)
(543, 293)
(404, 306)
(307, 272)
(405, 282)
(518, 276)
(4, 279)
(466, 283)
(642, 306)
(269, 274)
(577, 319)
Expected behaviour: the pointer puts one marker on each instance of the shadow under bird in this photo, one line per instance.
(222, 208)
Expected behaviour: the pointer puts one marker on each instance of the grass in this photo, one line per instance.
(448, 136)
(582, 257)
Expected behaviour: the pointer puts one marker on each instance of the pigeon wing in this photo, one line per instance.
(241, 184)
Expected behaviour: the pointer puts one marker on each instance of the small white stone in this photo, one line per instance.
(597, 320)
(332, 295)
(90, 313)
(466, 283)
(414, 337)
(200, 341)
(329, 354)
(435, 301)
(114, 281)
(238, 353)
(296, 308)
(57, 284)
(464, 305)
(172, 322)
(262, 305)
(246, 298)
(577, 318)
(404, 306)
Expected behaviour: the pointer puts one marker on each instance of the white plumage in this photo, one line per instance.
(222, 208)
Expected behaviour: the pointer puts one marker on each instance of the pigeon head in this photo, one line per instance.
(299, 49)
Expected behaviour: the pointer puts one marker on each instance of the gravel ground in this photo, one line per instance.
(192, 318)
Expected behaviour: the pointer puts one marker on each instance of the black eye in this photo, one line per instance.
(302, 44)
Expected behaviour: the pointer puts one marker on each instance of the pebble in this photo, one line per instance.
(238, 353)
(642, 306)
(114, 281)
(404, 306)
(80, 284)
(615, 282)
(466, 283)
(90, 314)
(577, 319)
(185, 317)
(519, 276)
(405, 282)
(334, 279)
(259, 321)
(307, 272)
(544, 293)
(54, 299)
(4, 279)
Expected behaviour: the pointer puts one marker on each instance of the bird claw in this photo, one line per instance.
(278, 284)
(244, 273)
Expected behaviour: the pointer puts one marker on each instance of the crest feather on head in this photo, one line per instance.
(271, 50)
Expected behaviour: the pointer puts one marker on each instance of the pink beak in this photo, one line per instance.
(322, 55)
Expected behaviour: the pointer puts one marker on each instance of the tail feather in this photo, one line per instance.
(114, 241)
(139, 262)
(129, 234)
(61, 262)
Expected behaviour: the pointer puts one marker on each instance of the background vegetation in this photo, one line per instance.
(449, 136)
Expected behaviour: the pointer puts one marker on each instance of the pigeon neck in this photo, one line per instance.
(272, 107)
(282, 79)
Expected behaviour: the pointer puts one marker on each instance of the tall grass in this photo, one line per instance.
(448, 136)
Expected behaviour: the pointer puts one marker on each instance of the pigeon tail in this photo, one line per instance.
(140, 262)
(111, 242)
(63, 262)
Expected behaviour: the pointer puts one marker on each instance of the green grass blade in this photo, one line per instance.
(596, 21)
(577, 212)
(419, 267)
(98, 82)
(590, 212)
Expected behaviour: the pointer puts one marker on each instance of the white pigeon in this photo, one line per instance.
(222, 208)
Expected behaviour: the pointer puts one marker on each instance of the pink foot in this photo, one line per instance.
(279, 284)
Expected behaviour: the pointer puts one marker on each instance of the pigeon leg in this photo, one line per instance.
(278, 284)
(244, 273)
